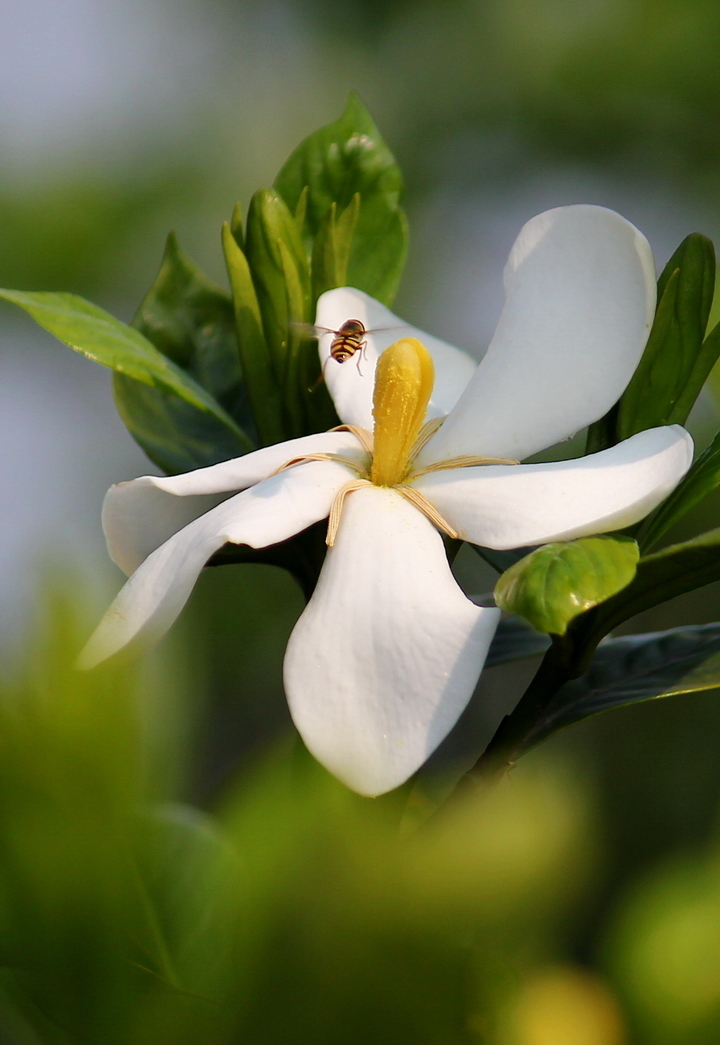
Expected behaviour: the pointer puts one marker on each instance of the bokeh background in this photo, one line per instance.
(122, 119)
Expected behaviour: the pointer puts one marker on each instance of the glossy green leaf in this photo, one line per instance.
(633, 669)
(335, 163)
(557, 582)
(174, 435)
(702, 479)
(104, 339)
(275, 253)
(513, 640)
(659, 577)
(665, 384)
(190, 320)
(258, 373)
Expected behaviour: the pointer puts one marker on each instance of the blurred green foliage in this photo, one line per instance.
(295, 910)
(292, 909)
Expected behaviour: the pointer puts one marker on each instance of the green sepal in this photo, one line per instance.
(298, 344)
(632, 669)
(701, 480)
(674, 364)
(559, 581)
(274, 250)
(333, 165)
(301, 211)
(106, 340)
(331, 249)
(258, 373)
(236, 226)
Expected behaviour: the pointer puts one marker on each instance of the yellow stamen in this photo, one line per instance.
(403, 385)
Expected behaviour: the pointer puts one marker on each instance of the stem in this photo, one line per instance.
(560, 664)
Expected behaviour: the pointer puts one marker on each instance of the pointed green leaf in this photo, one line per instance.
(299, 346)
(665, 384)
(190, 320)
(557, 582)
(513, 640)
(101, 337)
(633, 669)
(346, 158)
(271, 233)
(379, 249)
(260, 381)
(331, 249)
(706, 359)
(173, 434)
(702, 479)
(236, 226)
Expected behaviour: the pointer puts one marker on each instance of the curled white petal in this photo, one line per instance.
(140, 515)
(270, 512)
(351, 383)
(501, 506)
(387, 653)
(580, 298)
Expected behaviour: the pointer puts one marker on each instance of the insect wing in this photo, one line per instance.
(310, 329)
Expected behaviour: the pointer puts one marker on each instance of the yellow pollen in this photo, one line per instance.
(403, 385)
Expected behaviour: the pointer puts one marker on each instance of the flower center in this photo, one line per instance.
(404, 380)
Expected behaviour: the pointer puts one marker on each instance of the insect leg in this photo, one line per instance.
(361, 352)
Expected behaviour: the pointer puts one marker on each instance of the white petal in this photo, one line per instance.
(580, 299)
(268, 513)
(388, 651)
(351, 383)
(506, 506)
(140, 515)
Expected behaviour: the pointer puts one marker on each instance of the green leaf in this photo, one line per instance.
(633, 669)
(659, 577)
(513, 640)
(702, 479)
(191, 321)
(331, 249)
(260, 381)
(665, 384)
(104, 339)
(335, 163)
(275, 254)
(557, 582)
(176, 436)
(501, 561)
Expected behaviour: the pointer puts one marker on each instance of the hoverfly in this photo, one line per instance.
(348, 341)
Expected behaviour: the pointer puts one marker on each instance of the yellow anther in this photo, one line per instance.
(403, 385)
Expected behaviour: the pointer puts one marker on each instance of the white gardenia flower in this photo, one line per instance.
(388, 651)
